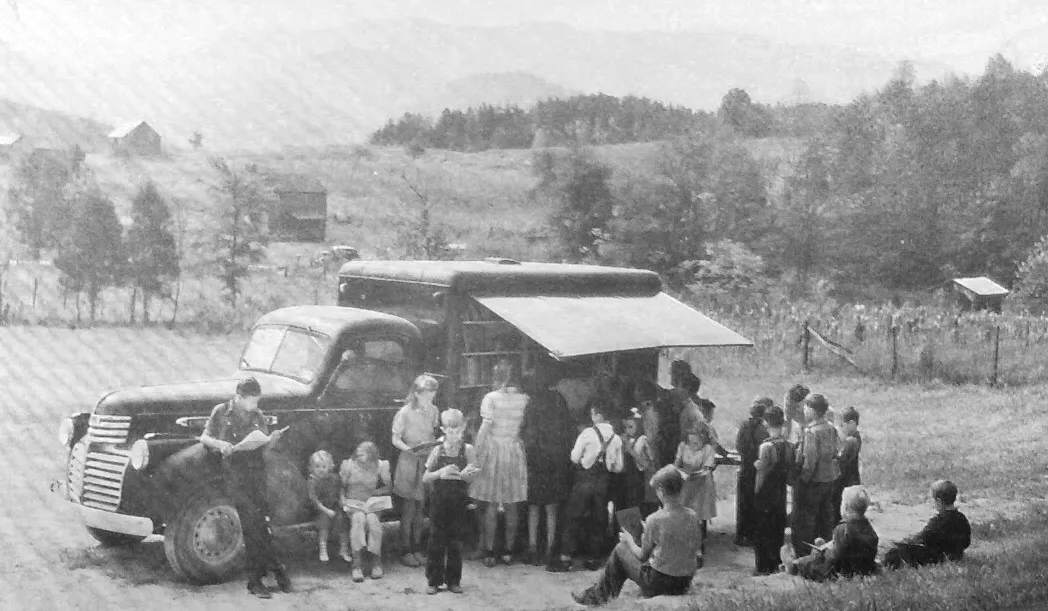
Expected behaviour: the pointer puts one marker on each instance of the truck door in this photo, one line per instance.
(368, 387)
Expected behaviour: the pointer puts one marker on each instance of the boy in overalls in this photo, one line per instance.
(244, 472)
(449, 470)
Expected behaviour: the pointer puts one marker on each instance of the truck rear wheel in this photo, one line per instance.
(111, 539)
(203, 542)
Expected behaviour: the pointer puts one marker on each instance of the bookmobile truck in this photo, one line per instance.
(336, 375)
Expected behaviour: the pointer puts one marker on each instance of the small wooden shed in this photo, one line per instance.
(300, 211)
(979, 293)
(135, 138)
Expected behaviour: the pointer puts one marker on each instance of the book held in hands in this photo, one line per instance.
(374, 504)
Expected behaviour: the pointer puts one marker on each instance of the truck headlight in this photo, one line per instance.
(140, 455)
(66, 429)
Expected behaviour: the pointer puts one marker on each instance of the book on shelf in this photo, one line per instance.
(374, 504)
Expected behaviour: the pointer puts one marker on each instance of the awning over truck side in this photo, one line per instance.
(578, 326)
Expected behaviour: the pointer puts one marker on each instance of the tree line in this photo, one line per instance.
(905, 188)
(56, 204)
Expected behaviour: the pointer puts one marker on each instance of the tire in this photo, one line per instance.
(111, 539)
(203, 542)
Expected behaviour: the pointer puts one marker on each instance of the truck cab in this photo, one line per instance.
(336, 376)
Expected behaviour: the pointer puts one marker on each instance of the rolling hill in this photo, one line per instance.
(287, 87)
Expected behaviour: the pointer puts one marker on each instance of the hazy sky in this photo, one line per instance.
(96, 30)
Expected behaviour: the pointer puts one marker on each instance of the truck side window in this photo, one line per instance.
(375, 368)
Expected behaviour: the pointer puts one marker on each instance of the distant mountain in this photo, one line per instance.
(284, 87)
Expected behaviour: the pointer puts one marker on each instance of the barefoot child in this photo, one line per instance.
(416, 423)
(449, 469)
(324, 486)
(775, 457)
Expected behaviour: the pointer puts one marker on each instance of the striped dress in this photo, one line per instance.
(503, 476)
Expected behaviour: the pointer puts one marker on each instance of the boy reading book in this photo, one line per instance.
(944, 537)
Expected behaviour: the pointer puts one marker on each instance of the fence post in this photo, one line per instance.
(35, 281)
(895, 350)
(996, 356)
(806, 340)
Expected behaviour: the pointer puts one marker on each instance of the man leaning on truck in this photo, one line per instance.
(245, 478)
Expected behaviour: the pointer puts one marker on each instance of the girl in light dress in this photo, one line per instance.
(416, 423)
(503, 477)
(696, 460)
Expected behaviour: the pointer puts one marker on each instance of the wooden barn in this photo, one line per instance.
(135, 138)
(300, 211)
(979, 293)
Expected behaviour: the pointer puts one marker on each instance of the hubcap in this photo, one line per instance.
(217, 536)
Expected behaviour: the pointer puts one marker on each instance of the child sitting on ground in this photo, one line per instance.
(324, 485)
(944, 537)
(853, 550)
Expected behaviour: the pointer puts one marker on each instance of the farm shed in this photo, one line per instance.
(300, 212)
(135, 138)
(979, 293)
(10, 144)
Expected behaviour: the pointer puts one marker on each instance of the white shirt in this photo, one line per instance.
(587, 447)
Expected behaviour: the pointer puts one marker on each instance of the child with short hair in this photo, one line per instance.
(793, 409)
(771, 469)
(664, 561)
(752, 433)
(813, 494)
(853, 550)
(323, 488)
(847, 459)
(449, 470)
(944, 537)
(365, 475)
(597, 454)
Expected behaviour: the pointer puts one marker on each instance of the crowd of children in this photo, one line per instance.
(643, 449)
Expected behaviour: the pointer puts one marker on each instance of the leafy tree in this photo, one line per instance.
(153, 254)
(1032, 284)
(738, 112)
(579, 185)
(240, 227)
(37, 201)
(92, 256)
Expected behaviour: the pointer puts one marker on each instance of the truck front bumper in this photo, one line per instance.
(115, 522)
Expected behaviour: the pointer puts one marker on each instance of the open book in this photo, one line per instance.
(632, 522)
(374, 504)
(254, 440)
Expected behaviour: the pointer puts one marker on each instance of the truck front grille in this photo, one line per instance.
(108, 429)
(104, 478)
(75, 477)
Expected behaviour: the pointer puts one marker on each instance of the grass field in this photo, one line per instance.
(990, 441)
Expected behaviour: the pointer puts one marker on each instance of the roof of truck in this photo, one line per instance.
(334, 320)
(509, 277)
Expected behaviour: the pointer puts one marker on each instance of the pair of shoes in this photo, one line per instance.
(507, 559)
(358, 575)
(259, 589)
(489, 560)
(593, 564)
(455, 589)
(283, 581)
(376, 572)
(409, 560)
(431, 590)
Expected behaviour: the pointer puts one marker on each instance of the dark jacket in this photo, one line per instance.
(946, 534)
(854, 550)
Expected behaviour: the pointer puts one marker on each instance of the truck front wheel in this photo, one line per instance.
(111, 539)
(203, 542)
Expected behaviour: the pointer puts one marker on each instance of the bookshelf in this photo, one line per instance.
(487, 339)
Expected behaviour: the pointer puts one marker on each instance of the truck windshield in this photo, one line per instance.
(285, 351)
